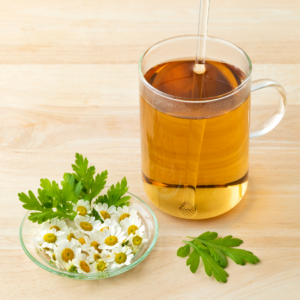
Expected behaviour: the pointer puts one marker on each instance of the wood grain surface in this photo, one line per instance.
(69, 83)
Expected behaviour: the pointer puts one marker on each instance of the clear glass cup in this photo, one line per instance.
(185, 170)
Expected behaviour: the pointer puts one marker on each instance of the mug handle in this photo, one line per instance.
(281, 109)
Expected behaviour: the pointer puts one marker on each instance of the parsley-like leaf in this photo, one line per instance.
(91, 186)
(214, 252)
(115, 195)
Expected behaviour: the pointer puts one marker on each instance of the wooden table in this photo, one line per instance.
(69, 83)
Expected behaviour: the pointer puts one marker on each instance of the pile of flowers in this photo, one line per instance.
(89, 245)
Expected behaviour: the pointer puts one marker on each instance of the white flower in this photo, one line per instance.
(76, 235)
(66, 251)
(70, 266)
(104, 211)
(82, 207)
(93, 255)
(122, 256)
(107, 223)
(137, 239)
(131, 224)
(87, 224)
(111, 237)
(83, 265)
(53, 258)
(92, 241)
(102, 264)
(49, 238)
(123, 213)
(59, 225)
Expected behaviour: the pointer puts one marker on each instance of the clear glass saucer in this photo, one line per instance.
(28, 230)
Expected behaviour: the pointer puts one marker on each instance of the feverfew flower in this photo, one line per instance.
(66, 251)
(131, 224)
(82, 207)
(111, 237)
(107, 223)
(74, 234)
(92, 241)
(123, 213)
(59, 225)
(53, 258)
(102, 264)
(83, 265)
(104, 211)
(122, 256)
(137, 239)
(49, 238)
(87, 224)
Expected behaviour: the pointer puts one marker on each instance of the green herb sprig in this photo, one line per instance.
(55, 201)
(214, 252)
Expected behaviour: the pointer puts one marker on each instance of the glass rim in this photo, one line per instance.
(111, 273)
(188, 100)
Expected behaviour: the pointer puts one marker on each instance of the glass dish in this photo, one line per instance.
(28, 230)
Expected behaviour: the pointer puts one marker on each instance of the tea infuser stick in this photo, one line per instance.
(202, 34)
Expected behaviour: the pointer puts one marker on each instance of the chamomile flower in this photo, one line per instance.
(123, 213)
(111, 237)
(131, 224)
(122, 256)
(107, 223)
(103, 263)
(76, 235)
(82, 207)
(104, 211)
(70, 266)
(53, 258)
(137, 239)
(66, 251)
(83, 265)
(59, 225)
(48, 239)
(87, 224)
(93, 240)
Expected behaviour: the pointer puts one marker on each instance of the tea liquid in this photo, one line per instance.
(195, 168)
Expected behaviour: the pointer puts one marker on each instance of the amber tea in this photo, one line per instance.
(195, 167)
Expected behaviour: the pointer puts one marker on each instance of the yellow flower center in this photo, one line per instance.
(101, 266)
(71, 236)
(84, 266)
(102, 229)
(111, 240)
(95, 245)
(81, 210)
(124, 216)
(96, 256)
(55, 227)
(132, 229)
(120, 258)
(86, 226)
(137, 240)
(104, 214)
(53, 256)
(67, 254)
(82, 241)
(50, 238)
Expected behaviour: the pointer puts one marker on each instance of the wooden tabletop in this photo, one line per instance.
(69, 83)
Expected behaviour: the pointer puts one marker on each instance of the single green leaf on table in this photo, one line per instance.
(214, 252)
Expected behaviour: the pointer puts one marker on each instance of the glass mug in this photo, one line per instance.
(195, 153)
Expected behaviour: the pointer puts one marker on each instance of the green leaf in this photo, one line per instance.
(193, 261)
(184, 251)
(115, 195)
(210, 265)
(91, 187)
